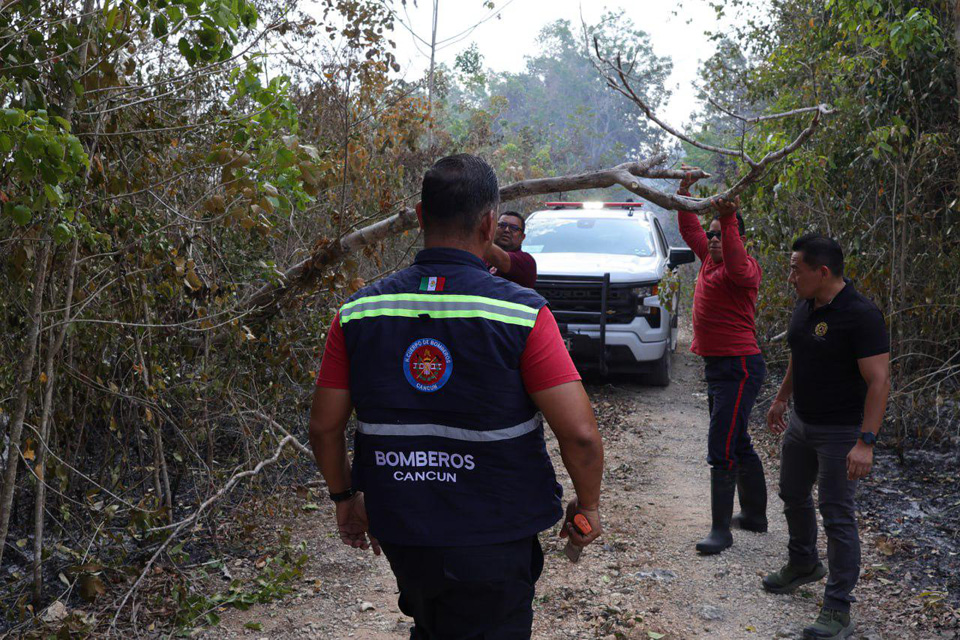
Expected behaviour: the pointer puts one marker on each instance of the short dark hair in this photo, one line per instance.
(457, 191)
(516, 214)
(820, 251)
(740, 225)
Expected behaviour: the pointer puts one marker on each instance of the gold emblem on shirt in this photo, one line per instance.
(821, 329)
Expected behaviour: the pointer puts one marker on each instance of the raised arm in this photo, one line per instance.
(737, 264)
(498, 258)
(690, 229)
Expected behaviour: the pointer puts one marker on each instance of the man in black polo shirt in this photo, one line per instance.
(839, 378)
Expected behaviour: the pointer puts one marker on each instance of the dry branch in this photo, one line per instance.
(186, 522)
(619, 79)
(265, 301)
(757, 119)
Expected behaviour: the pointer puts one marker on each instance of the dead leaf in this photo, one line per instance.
(91, 586)
(193, 280)
(885, 546)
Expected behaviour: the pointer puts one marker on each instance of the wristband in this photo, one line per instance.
(343, 495)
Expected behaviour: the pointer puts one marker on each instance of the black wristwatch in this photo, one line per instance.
(343, 495)
(868, 437)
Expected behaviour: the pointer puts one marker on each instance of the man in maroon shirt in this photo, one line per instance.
(724, 306)
(504, 255)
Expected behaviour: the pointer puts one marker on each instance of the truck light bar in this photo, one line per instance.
(593, 205)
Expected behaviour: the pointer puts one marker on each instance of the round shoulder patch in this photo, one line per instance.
(427, 365)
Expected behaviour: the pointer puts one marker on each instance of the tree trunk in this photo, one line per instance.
(160, 461)
(54, 344)
(23, 393)
(956, 50)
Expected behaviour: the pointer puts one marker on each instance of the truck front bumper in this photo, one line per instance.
(625, 345)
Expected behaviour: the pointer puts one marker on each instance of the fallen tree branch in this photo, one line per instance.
(265, 301)
(619, 79)
(183, 524)
(299, 446)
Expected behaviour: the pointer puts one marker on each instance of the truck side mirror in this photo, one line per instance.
(680, 256)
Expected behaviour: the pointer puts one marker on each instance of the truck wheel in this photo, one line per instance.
(659, 375)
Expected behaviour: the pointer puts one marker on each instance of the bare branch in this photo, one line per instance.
(621, 84)
(823, 109)
(183, 524)
(264, 301)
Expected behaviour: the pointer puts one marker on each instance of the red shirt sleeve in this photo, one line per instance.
(545, 362)
(523, 269)
(335, 366)
(742, 270)
(692, 233)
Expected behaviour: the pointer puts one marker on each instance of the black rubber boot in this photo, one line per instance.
(752, 492)
(723, 484)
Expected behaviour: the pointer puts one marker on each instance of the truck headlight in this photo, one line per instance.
(640, 294)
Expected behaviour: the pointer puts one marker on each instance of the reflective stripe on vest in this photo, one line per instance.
(414, 305)
(442, 431)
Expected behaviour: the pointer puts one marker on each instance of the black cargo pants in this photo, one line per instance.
(468, 593)
(818, 453)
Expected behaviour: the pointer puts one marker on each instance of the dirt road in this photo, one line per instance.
(644, 580)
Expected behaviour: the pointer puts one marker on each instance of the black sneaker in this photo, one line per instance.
(791, 576)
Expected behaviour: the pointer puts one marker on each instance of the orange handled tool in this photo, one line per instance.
(582, 525)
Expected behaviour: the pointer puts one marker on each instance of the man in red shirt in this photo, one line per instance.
(724, 306)
(504, 255)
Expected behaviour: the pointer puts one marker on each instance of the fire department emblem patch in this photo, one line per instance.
(427, 365)
(821, 329)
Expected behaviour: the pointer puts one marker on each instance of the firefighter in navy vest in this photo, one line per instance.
(446, 367)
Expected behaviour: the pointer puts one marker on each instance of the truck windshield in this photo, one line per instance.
(629, 237)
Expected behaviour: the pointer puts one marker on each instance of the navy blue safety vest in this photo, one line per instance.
(449, 448)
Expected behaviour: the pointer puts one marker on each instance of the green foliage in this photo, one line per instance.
(273, 583)
(880, 175)
(41, 159)
(193, 169)
(668, 291)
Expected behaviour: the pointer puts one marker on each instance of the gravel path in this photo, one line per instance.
(644, 580)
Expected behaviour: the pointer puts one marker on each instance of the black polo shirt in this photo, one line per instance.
(825, 344)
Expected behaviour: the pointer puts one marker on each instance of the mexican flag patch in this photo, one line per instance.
(432, 283)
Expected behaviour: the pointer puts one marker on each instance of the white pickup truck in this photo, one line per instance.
(600, 265)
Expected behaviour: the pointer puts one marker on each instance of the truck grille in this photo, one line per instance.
(578, 300)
